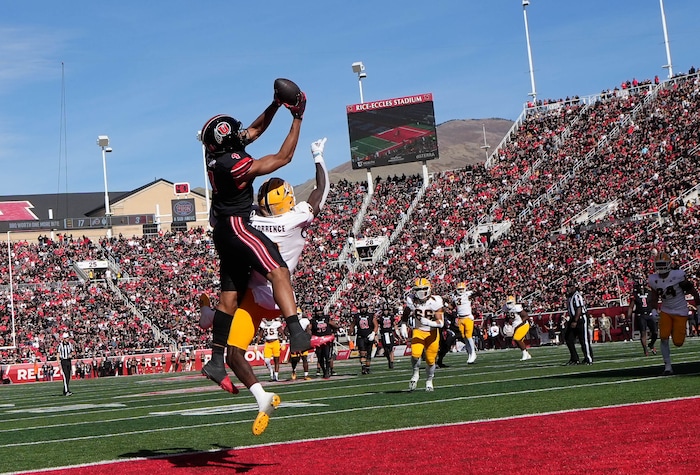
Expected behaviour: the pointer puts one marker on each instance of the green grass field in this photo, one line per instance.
(122, 417)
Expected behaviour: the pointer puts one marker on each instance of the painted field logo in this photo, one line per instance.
(183, 210)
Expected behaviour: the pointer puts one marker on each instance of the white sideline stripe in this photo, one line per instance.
(387, 406)
(360, 434)
(67, 408)
(233, 408)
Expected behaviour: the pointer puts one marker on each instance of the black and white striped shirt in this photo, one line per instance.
(576, 301)
(65, 349)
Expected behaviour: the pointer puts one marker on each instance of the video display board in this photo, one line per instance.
(392, 131)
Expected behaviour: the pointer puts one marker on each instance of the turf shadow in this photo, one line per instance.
(187, 457)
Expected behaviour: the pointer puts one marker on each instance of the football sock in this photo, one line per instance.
(221, 327)
(666, 352)
(430, 372)
(259, 393)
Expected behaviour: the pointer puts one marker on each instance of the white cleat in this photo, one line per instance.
(472, 358)
(263, 418)
(429, 386)
(412, 384)
(526, 356)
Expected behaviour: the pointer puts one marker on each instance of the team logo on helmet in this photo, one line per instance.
(221, 131)
(510, 303)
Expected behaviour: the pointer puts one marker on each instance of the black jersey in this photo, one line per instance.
(364, 324)
(320, 325)
(386, 323)
(642, 306)
(231, 196)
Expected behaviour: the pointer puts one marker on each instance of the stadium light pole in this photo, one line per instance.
(669, 64)
(529, 53)
(206, 174)
(486, 146)
(103, 143)
(359, 68)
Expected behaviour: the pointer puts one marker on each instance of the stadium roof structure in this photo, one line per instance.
(62, 205)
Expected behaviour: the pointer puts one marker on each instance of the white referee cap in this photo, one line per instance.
(65, 335)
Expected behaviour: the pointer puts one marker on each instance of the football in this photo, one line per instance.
(287, 92)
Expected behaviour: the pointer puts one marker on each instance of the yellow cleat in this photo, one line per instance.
(263, 418)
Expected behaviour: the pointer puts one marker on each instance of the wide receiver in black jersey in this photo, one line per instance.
(645, 315)
(240, 246)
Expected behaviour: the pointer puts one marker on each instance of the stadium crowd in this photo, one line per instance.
(589, 188)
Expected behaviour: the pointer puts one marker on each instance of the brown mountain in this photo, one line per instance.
(460, 143)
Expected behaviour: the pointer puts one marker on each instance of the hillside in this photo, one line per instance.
(459, 142)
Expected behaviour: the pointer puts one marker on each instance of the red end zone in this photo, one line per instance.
(657, 437)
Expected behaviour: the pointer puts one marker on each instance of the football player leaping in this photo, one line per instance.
(284, 222)
(423, 312)
(670, 286)
(465, 318)
(520, 324)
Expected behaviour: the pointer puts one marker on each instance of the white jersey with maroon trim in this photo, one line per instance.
(463, 304)
(514, 311)
(271, 328)
(423, 308)
(669, 289)
(288, 231)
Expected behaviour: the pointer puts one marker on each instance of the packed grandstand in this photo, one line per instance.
(587, 187)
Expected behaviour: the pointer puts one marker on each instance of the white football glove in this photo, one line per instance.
(371, 336)
(426, 322)
(317, 149)
(403, 331)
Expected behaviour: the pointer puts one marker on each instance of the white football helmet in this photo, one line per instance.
(421, 288)
(662, 263)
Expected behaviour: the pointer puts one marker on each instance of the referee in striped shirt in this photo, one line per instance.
(65, 352)
(577, 326)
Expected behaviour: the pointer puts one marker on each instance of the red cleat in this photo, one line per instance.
(317, 341)
(228, 386)
(219, 376)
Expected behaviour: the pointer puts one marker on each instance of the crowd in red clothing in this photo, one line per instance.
(632, 154)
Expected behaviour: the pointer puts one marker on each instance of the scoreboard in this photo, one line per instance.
(108, 221)
(84, 222)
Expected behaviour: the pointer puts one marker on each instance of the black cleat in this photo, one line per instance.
(300, 342)
(215, 372)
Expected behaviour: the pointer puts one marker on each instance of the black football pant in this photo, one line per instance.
(66, 370)
(580, 332)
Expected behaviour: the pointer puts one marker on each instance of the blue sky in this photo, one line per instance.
(149, 74)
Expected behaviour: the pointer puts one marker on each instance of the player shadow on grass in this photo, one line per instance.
(691, 369)
(187, 457)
